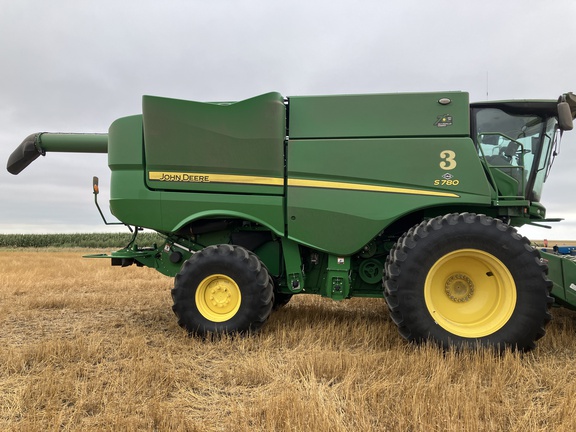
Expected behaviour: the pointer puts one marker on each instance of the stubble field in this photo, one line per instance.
(87, 346)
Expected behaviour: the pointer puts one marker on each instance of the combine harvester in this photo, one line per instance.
(411, 197)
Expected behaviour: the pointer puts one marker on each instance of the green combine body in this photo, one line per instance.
(410, 197)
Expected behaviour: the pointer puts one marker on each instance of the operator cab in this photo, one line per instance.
(518, 140)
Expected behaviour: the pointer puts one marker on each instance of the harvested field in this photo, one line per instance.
(87, 346)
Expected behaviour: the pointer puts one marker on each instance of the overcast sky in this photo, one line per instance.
(75, 66)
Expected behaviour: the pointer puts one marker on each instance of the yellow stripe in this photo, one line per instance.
(365, 187)
(181, 177)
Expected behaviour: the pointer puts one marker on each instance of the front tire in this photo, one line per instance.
(465, 280)
(222, 289)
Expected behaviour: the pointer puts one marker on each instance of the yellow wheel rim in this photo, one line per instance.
(218, 298)
(470, 293)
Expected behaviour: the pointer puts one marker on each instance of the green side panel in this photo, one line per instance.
(271, 255)
(379, 115)
(562, 272)
(125, 144)
(570, 280)
(508, 186)
(181, 208)
(130, 200)
(210, 147)
(342, 193)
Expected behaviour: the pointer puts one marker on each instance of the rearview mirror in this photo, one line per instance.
(565, 116)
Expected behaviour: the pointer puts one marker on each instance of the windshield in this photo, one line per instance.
(517, 145)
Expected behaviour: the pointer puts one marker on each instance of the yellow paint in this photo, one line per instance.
(470, 293)
(181, 177)
(218, 298)
(365, 187)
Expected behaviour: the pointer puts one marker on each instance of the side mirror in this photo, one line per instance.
(565, 116)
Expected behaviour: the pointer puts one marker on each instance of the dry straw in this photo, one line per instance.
(90, 347)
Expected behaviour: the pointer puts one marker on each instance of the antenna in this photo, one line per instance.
(486, 85)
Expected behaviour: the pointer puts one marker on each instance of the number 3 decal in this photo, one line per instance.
(448, 159)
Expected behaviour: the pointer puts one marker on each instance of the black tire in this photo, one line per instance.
(281, 300)
(467, 280)
(222, 289)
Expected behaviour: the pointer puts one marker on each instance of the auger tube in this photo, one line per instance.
(39, 143)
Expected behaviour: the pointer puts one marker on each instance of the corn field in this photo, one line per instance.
(82, 240)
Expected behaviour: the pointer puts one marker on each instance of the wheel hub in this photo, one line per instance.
(220, 296)
(459, 288)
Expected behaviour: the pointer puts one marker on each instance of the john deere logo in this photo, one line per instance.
(443, 121)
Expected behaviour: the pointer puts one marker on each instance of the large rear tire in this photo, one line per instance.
(222, 289)
(467, 280)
